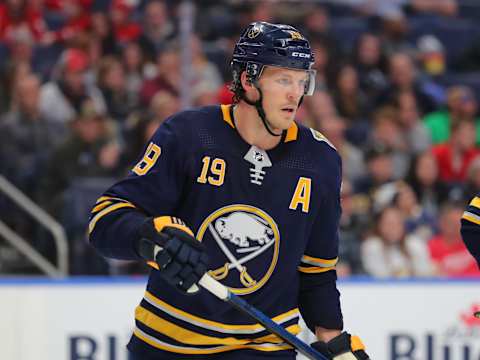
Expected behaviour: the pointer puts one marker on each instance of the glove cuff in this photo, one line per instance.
(162, 222)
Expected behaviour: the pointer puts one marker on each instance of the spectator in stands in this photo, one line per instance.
(417, 221)
(134, 66)
(350, 101)
(353, 165)
(90, 150)
(402, 76)
(431, 55)
(317, 107)
(61, 98)
(424, 180)
(167, 76)
(438, 7)
(393, 29)
(461, 104)
(206, 78)
(352, 223)
(415, 133)
(386, 131)
(76, 20)
(141, 126)
(112, 84)
(124, 28)
(447, 249)
(455, 156)
(20, 15)
(102, 35)
(158, 29)
(379, 163)
(17, 64)
(370, 62)
(324, 66)
(316, 25)
(390, 252)
(26, 137)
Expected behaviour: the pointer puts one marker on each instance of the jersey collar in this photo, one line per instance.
(291, 133)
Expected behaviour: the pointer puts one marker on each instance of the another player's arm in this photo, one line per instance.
(470, 227)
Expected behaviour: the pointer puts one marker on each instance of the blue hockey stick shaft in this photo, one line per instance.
(222, 292)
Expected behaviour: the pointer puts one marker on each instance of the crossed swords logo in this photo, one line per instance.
(223, 271)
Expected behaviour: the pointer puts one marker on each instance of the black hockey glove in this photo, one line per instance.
(169, 246)
(342, 347)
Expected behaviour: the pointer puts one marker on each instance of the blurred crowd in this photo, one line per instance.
(85, 83)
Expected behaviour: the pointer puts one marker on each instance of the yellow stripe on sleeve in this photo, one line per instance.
(319, 261)
(475, 202)
(101, 206)
(314, 270)
(106, 211)
(471, 217)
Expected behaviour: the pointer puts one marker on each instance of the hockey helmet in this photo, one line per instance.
(263, 43)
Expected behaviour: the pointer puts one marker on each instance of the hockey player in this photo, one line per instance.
(248, 195)
(471, 227)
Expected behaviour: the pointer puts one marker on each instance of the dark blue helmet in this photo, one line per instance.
(262, 43)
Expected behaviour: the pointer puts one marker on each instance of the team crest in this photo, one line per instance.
(245, 247)
(253, 32)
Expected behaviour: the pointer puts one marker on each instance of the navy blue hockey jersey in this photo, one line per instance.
(267, 218)
(471, 227)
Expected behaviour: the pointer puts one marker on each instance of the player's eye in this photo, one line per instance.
(284, 81)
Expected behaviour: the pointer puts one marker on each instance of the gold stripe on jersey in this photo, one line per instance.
(101, 206)
(226, 115)
(214, 325)
(190, 337)
(216, 349)
(314, 270)
(318, 261)
(106, 211)
(474, 218)
(313, 265)
(292, 133)
(475, 202)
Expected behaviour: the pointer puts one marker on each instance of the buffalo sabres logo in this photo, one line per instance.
(296, 35)
(245, 247)
(253, 32)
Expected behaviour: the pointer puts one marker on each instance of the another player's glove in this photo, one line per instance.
(342, 347)
(169, 246)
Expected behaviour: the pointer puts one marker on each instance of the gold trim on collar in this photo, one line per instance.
(292, 133)
(226, 115)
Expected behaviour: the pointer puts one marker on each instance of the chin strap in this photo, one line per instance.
(260, 111)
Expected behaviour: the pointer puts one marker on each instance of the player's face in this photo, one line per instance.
(282, 90)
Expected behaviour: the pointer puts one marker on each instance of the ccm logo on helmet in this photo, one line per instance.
(299, 54)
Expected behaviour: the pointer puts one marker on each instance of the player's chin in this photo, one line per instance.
(287, 118)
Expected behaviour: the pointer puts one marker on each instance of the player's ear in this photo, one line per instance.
(246, 84)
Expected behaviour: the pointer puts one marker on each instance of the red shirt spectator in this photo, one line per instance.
(454, 157)
(447, 249)
(20, 16)
(78, 18)
(125, 30)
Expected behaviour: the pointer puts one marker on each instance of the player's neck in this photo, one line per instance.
(251, 128)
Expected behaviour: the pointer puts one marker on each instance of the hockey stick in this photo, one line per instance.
(222, 292)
